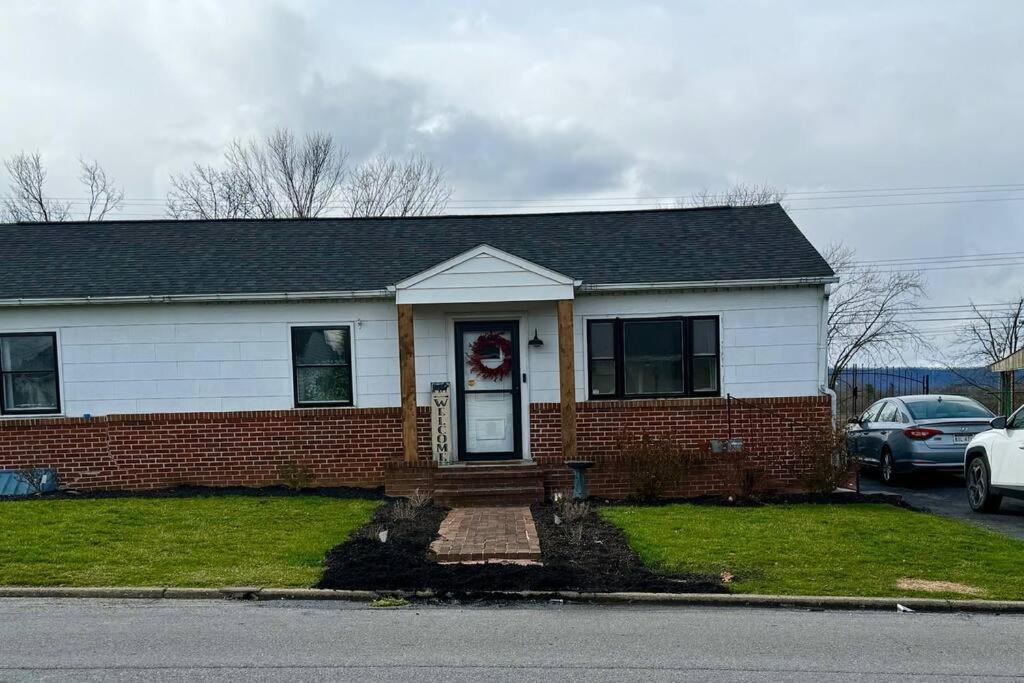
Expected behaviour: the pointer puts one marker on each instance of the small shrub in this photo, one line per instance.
(418, 500)
(656, 465)
(830, 463)
(571, 512)
(575, 535)
(403, 510)
(295, 475)
(743, 477)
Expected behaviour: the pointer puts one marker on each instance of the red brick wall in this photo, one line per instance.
(769, 428)
(134, 452)
(356, 447)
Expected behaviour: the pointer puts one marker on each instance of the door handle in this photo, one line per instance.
(524, 378)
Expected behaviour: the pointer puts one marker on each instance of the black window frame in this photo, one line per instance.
(4, 410)
(619, 359)
(295, 367)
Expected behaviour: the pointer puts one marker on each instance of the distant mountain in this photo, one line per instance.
(907, 377)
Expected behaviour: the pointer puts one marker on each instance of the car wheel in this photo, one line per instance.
(979, 487)
(887, 468)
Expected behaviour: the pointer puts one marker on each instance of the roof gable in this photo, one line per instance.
(484, 273)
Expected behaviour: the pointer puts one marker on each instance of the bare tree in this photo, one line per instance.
(283, 177)
(276, 177)
(868, 311)
(740, 194)
(388, 187)
(993, 335)
(27, 200)
(104, 196)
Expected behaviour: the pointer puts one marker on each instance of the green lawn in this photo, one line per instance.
(825, 549)
(206, 541)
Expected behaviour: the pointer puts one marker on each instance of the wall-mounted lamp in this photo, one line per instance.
(536, 342)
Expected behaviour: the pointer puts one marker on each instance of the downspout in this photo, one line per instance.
(823, 352)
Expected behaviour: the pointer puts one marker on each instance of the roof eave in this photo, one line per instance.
(711, 284)
(201, 298)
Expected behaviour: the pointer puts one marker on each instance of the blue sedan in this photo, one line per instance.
(907, 434)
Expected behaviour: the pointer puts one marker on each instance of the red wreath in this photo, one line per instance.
(486, 343)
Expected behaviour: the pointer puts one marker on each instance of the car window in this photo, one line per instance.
(871, 413)
(937, 408)
(1016, 420)
(888, 413)
(901, 417)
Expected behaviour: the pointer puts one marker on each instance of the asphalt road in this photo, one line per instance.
(945, 495)
(85, 640)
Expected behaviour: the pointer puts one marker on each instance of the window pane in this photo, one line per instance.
(704, 337)
(30, 391)
(26, 353)
(602, 379)
(320, 347)
(602, 340)
(324, 385)
(653, 360)
(705, 374)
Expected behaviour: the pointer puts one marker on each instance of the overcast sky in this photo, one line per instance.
(522, 100)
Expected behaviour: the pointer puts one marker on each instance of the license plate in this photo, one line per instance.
(961, 438)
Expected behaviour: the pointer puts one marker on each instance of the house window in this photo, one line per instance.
(28, 368)
(655, 357)
(322, 366)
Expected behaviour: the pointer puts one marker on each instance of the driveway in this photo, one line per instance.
(174, 640)
(945, 495)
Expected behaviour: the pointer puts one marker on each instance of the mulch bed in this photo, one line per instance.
(602, 561)
(837, 498)
(208, 492)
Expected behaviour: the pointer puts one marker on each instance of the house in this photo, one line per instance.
(457, 353)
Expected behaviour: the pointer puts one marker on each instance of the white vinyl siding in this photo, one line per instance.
(232, 356)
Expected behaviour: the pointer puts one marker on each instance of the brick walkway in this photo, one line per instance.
(487, 534)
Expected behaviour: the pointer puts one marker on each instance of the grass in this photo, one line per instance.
(861, 549)
(205, 541)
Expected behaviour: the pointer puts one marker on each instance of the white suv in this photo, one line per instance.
(994, 463)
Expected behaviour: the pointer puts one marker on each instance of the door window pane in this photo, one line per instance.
(487, 355)
(653, 357)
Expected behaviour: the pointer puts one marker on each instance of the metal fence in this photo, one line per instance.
(857, 387)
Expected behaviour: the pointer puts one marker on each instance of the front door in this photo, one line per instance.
(487, 387)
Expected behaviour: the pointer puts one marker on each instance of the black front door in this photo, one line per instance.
(487, 389)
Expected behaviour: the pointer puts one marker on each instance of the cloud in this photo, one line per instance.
(557, 100)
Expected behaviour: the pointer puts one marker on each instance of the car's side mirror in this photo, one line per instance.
(853, 421)
(998, 422)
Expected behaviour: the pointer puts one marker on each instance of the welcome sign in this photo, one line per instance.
(441, 421)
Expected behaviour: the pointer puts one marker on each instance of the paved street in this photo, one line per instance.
(171, 640)
(945, 495)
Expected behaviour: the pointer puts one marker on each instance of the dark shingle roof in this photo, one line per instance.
(126, 258)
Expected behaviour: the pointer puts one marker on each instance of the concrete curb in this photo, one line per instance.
(680, 599)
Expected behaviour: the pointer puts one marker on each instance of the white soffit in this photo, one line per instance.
(484, 274)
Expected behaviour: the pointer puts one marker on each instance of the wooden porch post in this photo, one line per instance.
(407, 373)
(567, 378)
